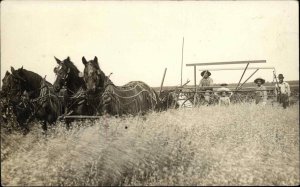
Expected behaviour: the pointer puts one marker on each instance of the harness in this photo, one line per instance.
(112, 94)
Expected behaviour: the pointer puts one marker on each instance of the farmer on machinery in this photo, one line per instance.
(205, 84)
(261, 95)
(282, 91)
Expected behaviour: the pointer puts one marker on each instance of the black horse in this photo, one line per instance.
(135, 97)
(24, 87)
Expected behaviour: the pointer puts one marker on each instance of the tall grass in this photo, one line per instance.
(237, 145)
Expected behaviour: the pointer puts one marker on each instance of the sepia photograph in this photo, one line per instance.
(149, 93)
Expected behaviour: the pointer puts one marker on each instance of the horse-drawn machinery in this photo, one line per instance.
(199, 96)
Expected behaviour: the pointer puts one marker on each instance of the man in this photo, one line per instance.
(261, 92)
(282, 91)
(204, 84)
(224, 94)
(206, 80)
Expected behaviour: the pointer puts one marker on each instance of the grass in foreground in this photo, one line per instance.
(235, 145)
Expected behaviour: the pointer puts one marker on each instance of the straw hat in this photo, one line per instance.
(280, 76)
(261, 79)
(202, 73)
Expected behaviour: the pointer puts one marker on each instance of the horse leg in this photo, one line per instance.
(25, 128)
(44, 126)
(68, 122)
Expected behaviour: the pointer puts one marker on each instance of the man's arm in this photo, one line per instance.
(211, 82)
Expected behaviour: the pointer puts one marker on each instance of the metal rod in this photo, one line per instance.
(162, 81)
(230, 62)
(242, 76)
(221, 69)
(182, 60)
(247, 79)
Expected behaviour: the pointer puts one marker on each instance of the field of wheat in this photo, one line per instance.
(242, 144)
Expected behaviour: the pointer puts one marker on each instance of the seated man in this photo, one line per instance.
(224, 94)
(204, 85)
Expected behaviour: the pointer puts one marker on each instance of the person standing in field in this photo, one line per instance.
(205, 84)
(282, 91)
(224, 94)
(261, 95)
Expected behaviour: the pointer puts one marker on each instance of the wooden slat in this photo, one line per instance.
(229, 62)
(220, 69)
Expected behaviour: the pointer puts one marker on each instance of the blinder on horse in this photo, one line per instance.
(61, 77)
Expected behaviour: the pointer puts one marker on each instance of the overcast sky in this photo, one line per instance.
(137, 40)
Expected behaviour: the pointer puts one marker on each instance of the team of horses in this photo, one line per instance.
(29, 96)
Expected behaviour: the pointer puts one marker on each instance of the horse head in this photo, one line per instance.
(67, 75)
(93, 76)
(14, 83)
(5, 82)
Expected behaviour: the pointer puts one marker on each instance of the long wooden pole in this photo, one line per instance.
(195, 83)
(162, 81)
(182, 60)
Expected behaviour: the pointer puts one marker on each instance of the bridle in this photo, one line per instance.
(62, 76)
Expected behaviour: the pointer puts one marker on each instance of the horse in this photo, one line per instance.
(133, 98)
(48, 103)
(70, 85)
(67, 75)
(25, 87)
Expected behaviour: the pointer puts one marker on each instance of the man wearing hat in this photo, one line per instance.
(261, 92)
(224, 94)
(282, 91)
(206, 80)
(204, 84)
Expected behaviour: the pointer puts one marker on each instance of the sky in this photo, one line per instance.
(138, 40)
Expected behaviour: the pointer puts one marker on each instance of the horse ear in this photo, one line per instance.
(68, 58)
(84, 60)
(57, 60)
(12, 69)
(7, 73)
(96, 59)
(22, 68)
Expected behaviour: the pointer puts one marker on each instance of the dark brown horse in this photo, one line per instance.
(135, 97)
(23, 88)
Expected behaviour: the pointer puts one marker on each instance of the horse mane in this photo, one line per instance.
(33, 81)
(71, 65)
(77, 80)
